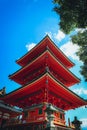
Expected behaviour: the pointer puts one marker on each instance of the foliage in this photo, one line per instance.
(73, 14)
(81, 40)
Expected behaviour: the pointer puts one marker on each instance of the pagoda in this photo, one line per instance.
(44, 95)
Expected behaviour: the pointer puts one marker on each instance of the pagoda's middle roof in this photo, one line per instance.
(39, 48)
(39, 66)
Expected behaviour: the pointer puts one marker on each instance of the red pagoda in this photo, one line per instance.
(44, 95)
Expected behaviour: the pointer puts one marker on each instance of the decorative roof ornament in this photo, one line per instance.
(3, 91)
(77, 123)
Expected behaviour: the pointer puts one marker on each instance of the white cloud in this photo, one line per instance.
(80, 91)
(59, 36)
(49, 34)
(29, 46)
(81, 29)
(83, 107)
(84, 122)
(70, 50)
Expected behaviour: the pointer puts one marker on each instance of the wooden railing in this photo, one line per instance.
(59, 121)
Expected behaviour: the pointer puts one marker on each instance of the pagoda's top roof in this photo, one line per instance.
(33, 93)
(39, 48)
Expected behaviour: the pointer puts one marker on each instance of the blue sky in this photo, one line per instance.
(23, 23)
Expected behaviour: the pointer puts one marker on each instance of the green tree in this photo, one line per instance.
(81, 40)
(73, 14)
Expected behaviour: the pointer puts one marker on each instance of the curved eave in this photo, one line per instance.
(39, 48)
(59, 89)
(69, 96)
(30, 88)
(45, 59)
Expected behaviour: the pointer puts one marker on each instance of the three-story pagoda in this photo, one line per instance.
(44, 94)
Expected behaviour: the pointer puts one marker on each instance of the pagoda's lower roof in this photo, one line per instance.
(44, 89)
